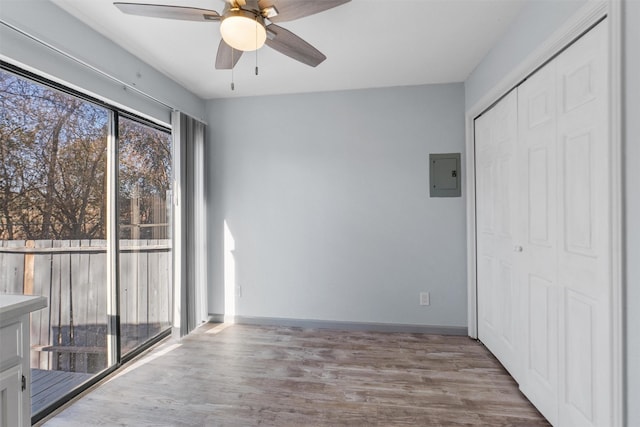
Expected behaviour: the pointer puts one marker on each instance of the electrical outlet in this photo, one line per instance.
(424, 298)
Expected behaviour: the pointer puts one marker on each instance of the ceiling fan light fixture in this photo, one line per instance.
(243, 30)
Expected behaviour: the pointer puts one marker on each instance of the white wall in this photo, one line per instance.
(535, 23)
(326, 196)
(632, 199)
(47, 22)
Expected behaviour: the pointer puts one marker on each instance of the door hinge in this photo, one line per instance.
(24, 383)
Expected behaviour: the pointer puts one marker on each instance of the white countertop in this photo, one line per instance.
(12, 306)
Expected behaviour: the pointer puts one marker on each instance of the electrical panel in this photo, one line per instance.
(444, 175)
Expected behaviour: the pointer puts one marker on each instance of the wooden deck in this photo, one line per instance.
(49, 386)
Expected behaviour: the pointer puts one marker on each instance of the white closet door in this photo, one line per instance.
(544, 309)
(584, 226)
(537, 264)
(563, 158)
(496, 194)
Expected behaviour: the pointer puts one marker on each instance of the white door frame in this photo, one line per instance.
(591, 13)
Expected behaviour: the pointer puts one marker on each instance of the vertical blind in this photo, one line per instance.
(190, 228)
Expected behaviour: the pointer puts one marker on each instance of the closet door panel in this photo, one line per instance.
(496, 190)
(584, 271)
(537, 263)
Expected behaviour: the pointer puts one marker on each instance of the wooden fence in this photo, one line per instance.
(71, 333)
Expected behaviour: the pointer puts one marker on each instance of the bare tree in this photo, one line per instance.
(53, 161)
(53, 164)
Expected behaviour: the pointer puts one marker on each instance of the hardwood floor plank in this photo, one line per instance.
(257, 375)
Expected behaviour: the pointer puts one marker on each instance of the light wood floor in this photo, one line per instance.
(249, 375)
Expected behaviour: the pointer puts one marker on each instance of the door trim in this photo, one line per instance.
(590, 14)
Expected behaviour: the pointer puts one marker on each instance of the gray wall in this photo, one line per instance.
(632, 198)
(326, 196)
(46, 21)
(535, 23)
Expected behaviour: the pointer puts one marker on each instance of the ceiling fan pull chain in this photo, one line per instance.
(256, 45)
(233, 86)
(256, 62)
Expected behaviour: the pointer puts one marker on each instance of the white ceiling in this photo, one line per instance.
(368, 43)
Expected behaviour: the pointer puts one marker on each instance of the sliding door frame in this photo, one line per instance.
(583, 20)
(113, 243)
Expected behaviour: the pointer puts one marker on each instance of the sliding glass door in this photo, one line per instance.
(55, 216)
(144, 176)
(53, 228)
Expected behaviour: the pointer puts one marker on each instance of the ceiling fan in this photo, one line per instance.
(246, 25)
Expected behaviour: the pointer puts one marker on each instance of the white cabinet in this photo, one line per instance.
(15, 372)
(11, 397)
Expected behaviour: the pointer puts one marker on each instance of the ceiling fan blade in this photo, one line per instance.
(284, 41)
(227, 57)
(168, 12)
(288, 10)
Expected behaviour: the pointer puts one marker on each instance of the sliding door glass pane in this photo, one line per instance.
(52, 228)
(145, 239)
